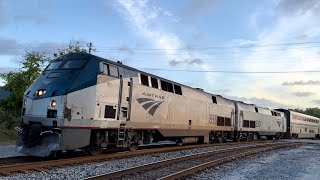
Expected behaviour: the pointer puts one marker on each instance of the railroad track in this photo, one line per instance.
(39, 164)
(177, 168)
(19, 159)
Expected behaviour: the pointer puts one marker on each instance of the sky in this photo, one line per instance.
(230, 48)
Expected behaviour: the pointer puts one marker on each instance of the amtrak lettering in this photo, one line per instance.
(150, 105)
(153, 95)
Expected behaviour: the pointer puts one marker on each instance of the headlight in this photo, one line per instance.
(53, 103)
(40, 92)
(25, 102)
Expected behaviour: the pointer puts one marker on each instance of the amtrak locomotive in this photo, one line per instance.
(81, 101)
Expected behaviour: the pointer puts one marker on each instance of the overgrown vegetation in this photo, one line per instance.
(7, 124)
(310, 111)
(16, 83)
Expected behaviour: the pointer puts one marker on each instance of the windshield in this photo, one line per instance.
(54, 65)
(74, 64)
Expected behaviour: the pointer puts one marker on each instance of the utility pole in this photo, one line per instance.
(90, 47)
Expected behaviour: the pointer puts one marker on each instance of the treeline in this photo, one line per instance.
(309, 111)
(17, 82)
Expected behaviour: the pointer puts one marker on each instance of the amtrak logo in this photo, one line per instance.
(279, 123)
(149, 105)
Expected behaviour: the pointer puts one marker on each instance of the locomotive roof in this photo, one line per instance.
(254, 105)
(303, 115)
(89, 56)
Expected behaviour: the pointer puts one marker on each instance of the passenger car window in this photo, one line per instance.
(144, 80)
(170, 87)
(166, 86)
(154, 82)
(177, 89)
(54, 65)
(214, 100)
(74, 64)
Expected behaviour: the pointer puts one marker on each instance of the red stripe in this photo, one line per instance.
(88, 127)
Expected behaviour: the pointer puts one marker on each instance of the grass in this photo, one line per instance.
(8, 136)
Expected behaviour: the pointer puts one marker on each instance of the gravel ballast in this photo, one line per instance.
(96, 168)
(8, 151)
(298, 163)
(295, 163)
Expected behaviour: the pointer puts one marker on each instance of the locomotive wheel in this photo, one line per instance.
(96, 150)
(133, 147)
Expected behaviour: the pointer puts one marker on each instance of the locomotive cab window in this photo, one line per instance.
(111, 70)
(177, 89)
(54, 65)
(144, 80)
(256, 109)
(154, 82)
(74, 64)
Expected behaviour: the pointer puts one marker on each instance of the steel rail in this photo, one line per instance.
(23, 167)
(206, 165)
(166, 162)
(18, 159)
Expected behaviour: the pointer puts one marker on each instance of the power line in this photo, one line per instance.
(219, 47)
(207, 53)
(215, 71)
(233, 72)
(101, 49)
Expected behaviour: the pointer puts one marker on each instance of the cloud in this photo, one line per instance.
(22, 11)
(221, 91)
(144, 18)
(266, 49)
(127, 49)
(198, 8)
(200, 35)
(297, 6)
(316, 101)
(141, 17)
(195, 61)
(302, 83)
(3, 17)
(303, 94)
(12, 47)
(188, 83)
(261, 102)
(34, 16)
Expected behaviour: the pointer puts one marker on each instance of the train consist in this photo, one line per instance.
(81, 101)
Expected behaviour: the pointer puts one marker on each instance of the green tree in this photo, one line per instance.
(18, 81)
(74, 47)
(310, 111)
(313, 112)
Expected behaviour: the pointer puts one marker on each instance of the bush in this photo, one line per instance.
(8, 134)
(8, 120)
